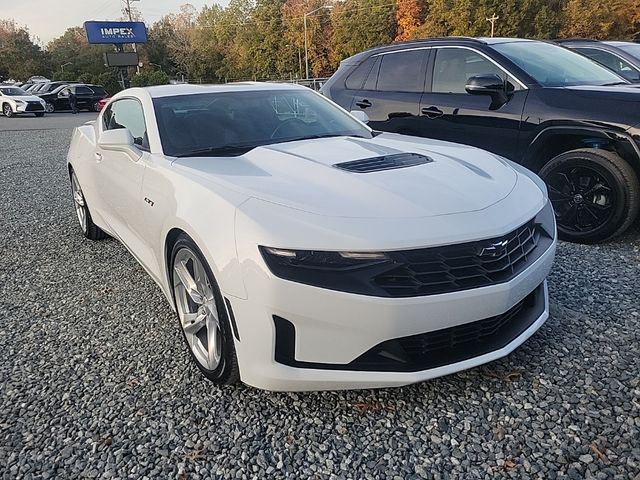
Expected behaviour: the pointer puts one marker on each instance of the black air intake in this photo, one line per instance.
(387, 162)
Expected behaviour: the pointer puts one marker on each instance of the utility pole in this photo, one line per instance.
(493, 20)
(127, 9)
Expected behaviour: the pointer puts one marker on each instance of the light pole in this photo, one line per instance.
(64, 65)
(306, 42)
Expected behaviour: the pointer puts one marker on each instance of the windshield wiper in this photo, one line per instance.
(226, 151)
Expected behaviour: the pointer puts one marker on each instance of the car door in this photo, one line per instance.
(61, 100)
(392, 85)
(118, 177)
(84, 97)
(450, 113)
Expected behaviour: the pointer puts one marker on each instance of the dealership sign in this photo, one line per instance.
(116, 32)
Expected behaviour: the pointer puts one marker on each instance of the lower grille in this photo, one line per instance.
(34, 107)
(427, 350)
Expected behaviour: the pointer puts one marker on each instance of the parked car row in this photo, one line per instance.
(555, 111)
(50, 97)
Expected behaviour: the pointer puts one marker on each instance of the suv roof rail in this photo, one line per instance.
(576, 39)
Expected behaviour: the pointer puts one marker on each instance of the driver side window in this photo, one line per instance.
(127, 113)
(454, 66)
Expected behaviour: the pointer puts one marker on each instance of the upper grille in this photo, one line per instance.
(431, 271)
(387, 162)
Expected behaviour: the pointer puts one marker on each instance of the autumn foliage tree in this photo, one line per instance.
(408, 19)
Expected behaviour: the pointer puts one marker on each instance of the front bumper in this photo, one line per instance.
(333, 329)
(31, 107)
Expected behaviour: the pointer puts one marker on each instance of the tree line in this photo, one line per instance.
(264, 39)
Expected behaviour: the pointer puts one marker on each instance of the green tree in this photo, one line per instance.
(20, 57)
(149, 78)
(72, 47)
(358, 26)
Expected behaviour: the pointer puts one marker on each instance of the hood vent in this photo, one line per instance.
(387, 162)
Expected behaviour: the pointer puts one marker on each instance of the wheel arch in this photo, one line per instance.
(553, 141)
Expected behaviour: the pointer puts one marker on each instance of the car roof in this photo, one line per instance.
(437, 41)
(190, 89)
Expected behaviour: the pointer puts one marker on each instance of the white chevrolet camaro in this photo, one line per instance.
(304, 251)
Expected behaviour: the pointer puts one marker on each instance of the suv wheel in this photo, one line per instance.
(7, 110)
(49, 107)
(595, 194)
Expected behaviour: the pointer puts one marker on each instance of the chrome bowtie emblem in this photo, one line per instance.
(494, 250)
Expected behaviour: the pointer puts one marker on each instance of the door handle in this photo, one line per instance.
(364, 103)
(98, 156)
(432, 112)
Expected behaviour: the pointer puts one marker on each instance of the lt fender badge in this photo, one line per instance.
(149, 201)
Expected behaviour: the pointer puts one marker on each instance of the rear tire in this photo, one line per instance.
(595, 194)
(202, 313)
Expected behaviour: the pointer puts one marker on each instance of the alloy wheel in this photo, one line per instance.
(6, 110)
(197, 309)
(78, 202)
(49, 107)
(582, 197)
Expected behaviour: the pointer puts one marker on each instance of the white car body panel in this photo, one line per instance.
(18, 107)
(290, 196)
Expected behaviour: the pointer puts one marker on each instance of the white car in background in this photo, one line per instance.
(14, 101)
(303, 251)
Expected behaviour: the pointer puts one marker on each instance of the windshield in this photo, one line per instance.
(630, 48)
(12, 91)
(231, 123)
(554, 66)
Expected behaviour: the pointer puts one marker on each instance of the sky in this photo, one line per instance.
(48, 19)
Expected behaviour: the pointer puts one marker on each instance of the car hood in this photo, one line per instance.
(622, 93)
(302, 175)
(26, 98)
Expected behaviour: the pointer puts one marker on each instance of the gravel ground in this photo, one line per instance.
(95, 381)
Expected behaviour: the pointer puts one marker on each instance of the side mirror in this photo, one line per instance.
(491, 85)
(360, 115)
(119, 140)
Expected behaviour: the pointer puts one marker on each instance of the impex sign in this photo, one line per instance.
(116, 32)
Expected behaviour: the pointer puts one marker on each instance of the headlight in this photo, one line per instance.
(546, 218)
(344, 271)
(19, 102)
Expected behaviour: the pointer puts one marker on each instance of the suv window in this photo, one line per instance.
(360, 74)
(83, 91)
(402, 72)
(127, 113)
(99, 90)
(610, 60)
(454, 66)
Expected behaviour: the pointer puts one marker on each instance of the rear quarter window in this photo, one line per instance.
(358, 76)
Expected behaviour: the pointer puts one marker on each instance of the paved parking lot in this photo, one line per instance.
(95, 381)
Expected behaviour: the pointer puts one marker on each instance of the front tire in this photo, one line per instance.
(595, 194)
(8, 111)
(202, 314)
(89, 229)
(49, 107)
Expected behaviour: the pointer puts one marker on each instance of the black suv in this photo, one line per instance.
(621, 57)
(555, 111)
(87, 97)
